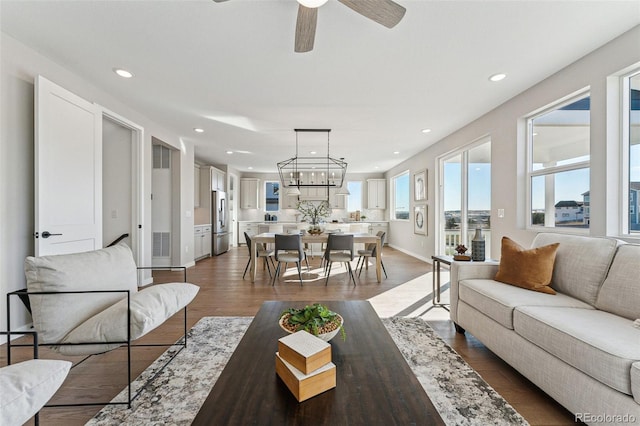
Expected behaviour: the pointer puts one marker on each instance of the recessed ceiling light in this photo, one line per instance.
(198, 130)
(123, 73)
(497, 77)
(426, 130)
(376, 167)
(229, 152)
(396, 152)
(312, 152)
(250, 168)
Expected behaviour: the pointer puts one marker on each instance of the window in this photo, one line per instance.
(466, 197)
(401, 196)
(632, 139)
(558, 169)
(272, 196)
(354, 200)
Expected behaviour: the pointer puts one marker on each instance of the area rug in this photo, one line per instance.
(174, 397)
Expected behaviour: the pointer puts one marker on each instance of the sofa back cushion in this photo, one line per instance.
(620, 293)
(54, 315)
(581, 263)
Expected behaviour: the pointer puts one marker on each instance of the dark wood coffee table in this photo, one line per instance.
(375, 385)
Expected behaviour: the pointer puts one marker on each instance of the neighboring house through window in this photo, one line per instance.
(559, 164)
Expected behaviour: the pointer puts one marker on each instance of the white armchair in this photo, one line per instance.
(88, 303)
(28, 385)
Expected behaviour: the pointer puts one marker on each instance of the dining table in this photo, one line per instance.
(307, 238)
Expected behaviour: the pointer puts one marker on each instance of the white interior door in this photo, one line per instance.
(68, 171)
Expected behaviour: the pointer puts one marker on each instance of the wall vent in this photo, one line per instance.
(161, 157)
(161, 244)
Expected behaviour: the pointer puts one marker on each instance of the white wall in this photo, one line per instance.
(20, 66)
(505, 125)
(116, 182)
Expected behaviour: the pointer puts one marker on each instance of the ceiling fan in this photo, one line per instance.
(384, 12)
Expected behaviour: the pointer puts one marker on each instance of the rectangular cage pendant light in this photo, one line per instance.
(301, 172)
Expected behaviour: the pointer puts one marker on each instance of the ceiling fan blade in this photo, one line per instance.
(219, 1)
(306, 28)
(384, 12)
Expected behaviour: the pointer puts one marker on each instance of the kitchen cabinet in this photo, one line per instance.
(377, 194)
(250, 228)
(202, 241)
(218, 179)
(337, 201)
(196, 186)
(249, 193)
(288, 201)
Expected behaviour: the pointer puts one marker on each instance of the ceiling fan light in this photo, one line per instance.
(312, 3)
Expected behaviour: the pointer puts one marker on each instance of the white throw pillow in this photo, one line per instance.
(150, 307)
(54, 316)
(27, 386)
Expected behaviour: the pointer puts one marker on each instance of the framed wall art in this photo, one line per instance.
(420, 219)
(420, 185)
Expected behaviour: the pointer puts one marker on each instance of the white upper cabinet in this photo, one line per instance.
(249, 193)
(377, 194)
(218, 180)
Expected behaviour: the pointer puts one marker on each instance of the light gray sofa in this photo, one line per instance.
(580, 346)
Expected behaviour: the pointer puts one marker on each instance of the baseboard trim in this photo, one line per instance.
(407, 252)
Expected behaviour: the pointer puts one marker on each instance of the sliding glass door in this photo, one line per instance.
(465, 194)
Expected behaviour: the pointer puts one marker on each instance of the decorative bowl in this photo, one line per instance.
(324, 336)
(315, 230)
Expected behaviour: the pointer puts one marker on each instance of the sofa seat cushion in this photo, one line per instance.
(598, 343)
(498, 300)
(149, 309)
(27, 386)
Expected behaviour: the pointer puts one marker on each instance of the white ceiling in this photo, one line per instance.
(230, 68)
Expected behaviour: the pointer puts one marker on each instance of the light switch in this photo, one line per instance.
(114, 214)
(500, 213)
(188, 213)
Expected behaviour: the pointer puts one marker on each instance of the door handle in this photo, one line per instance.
(47, 234)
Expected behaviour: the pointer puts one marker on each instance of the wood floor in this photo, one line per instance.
(223, 292)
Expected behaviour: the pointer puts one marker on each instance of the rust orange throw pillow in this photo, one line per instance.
(531, 269)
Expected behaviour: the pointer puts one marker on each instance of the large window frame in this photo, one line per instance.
(404, 191)
(549, 173)
(630, 190)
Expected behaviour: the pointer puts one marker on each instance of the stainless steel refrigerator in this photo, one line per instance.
(219, 222)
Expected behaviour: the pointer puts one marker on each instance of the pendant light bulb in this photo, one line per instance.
(312, 3)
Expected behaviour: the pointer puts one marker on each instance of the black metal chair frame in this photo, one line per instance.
(182, 343)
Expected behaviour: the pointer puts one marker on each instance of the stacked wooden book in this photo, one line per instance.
(303, 362)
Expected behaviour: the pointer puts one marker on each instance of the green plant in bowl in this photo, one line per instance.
(316, 319)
